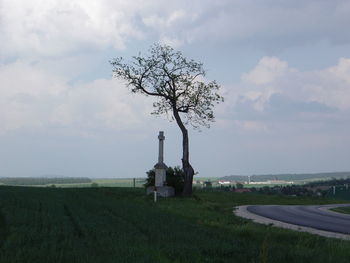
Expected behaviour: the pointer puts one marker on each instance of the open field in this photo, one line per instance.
(123, 225)
(72, 182)
(120, 182)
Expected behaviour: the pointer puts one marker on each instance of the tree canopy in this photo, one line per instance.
(176, 81)
(180, 89)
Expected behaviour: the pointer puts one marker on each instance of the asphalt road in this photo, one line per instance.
(315, 216)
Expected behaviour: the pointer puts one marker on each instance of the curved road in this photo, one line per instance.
(314, 216)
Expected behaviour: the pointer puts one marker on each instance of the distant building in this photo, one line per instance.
(273, 182)
(224, 182)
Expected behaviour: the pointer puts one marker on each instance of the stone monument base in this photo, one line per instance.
(164, 191)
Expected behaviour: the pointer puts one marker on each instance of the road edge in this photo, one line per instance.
(242, 211)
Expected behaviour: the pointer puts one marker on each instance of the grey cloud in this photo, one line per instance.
(282, 104)
(282, 108)
(71, 26)
(268, 24)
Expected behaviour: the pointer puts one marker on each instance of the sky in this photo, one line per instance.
(283, 67)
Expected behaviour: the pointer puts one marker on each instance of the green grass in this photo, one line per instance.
(344, 210)
(123, 225)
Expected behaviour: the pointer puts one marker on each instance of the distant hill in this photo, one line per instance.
(51, 176)
(288, 177)
(43, 180)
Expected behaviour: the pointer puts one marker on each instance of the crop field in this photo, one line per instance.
(120, 182)
(72, 182)
(123, 225)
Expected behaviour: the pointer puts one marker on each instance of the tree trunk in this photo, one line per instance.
(186, 166)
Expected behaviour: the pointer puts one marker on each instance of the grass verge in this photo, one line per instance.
(344, 210)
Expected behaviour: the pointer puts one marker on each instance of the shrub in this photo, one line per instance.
(94, 185)
(175, 177)
(239, 186)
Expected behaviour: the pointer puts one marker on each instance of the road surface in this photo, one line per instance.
(314, 216)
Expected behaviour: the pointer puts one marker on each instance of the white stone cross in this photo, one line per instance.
(160, 187)
(161, 147)
(160, 166)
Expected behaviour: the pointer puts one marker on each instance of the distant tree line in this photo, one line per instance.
(288, 177)
(43, 180)
(291, 190)
(313, 189)
(333, 181)
(316, 188)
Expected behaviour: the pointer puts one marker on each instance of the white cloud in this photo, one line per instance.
(259, 84)
(53, 27)
(252, 126)
(33, 98)
(173, 42)
(23, 94)
(272, 95)
(267, 70)
(342, 70)
(329, 86)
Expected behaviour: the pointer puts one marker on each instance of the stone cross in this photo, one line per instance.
(160, 188)
(160, 166)
(161, 147)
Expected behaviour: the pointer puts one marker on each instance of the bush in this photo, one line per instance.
(94, 185)
(239, 186)
(175, 177)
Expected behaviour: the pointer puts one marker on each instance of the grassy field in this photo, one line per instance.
(120, 182)
(123, 225)
(72, 182)
(345, 210)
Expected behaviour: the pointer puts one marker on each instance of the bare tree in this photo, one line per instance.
(180, 90)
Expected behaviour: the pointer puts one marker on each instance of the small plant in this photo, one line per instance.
(175, 177)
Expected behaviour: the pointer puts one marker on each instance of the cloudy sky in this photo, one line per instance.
(283, 67)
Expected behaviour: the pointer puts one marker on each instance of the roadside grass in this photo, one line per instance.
(344, 210)
(123, 225)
